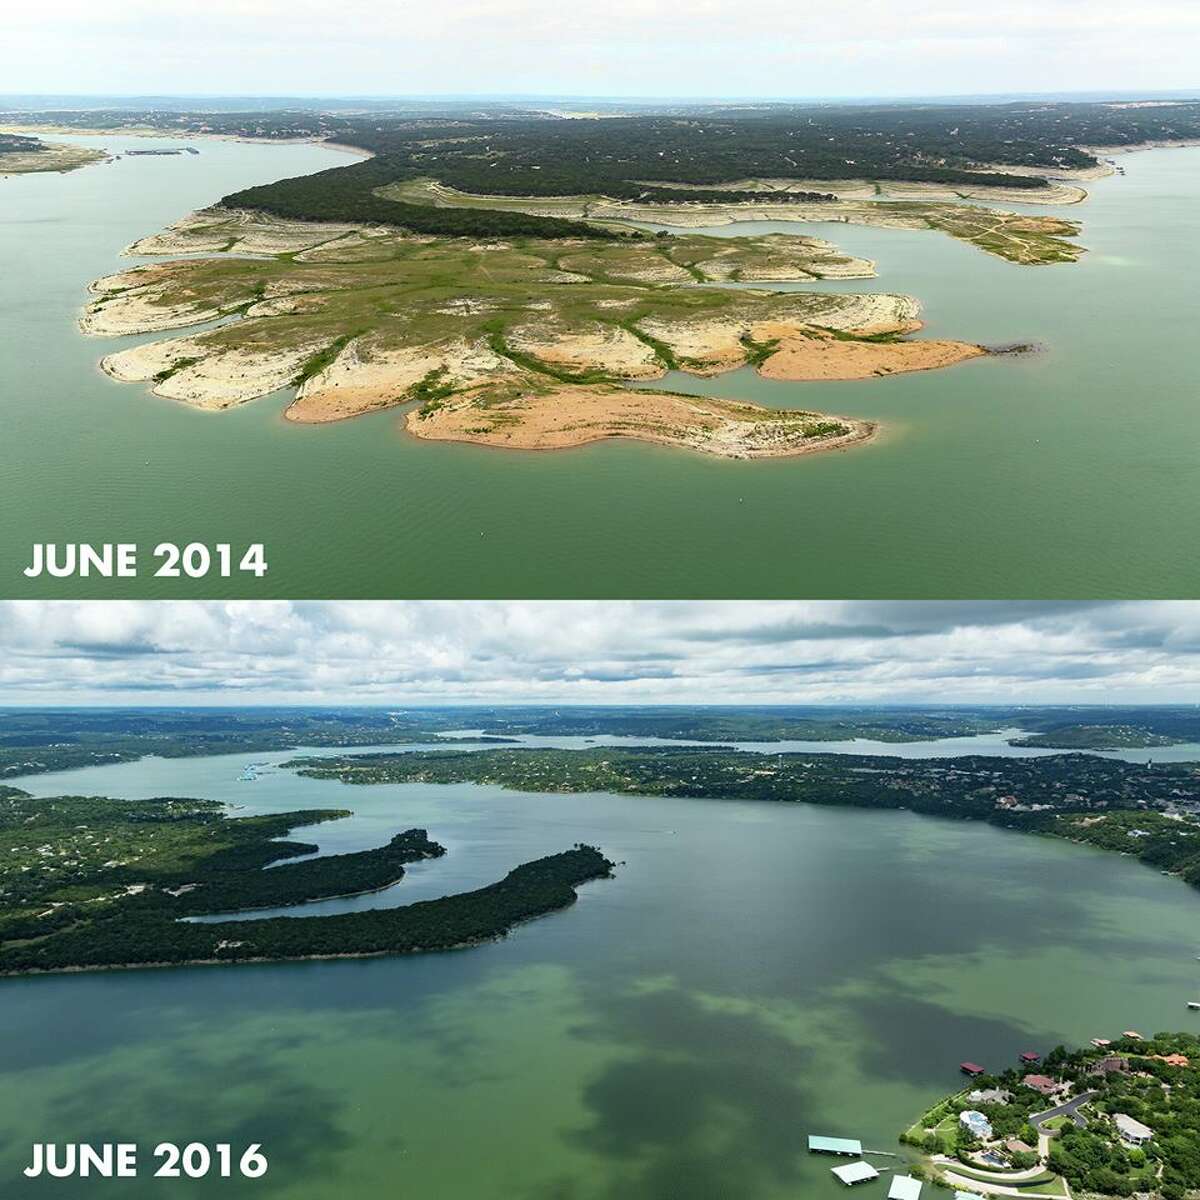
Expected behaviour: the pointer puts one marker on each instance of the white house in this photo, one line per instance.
(1133, 1133)
(976, 1124)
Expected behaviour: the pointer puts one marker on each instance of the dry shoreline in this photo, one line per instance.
(552, 380)
(54, 158)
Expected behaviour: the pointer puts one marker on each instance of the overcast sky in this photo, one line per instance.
(614, 48)
(131, 652)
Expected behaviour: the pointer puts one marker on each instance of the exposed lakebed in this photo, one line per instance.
(1001, 476)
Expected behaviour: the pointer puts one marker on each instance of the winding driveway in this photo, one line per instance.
(1069, 1108)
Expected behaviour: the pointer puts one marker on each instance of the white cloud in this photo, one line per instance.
(620, 47)
(597, 652)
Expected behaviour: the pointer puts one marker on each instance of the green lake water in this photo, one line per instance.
(753, 973)
(1073, 472)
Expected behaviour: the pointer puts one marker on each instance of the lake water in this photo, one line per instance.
(1071, 473)
(753, 973)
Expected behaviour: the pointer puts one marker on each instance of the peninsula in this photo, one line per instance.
(1147, 811)
(518, 279)
(1120, 1117)
(88, 883)
(517, 342)
(20, 155)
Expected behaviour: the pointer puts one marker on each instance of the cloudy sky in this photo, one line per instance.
(129, 652)
(618, 47)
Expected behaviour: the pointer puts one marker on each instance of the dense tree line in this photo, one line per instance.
(627, 157)
(348, 194)
(1038, 795)
(34, 741)
(677, 195)
(139, 935)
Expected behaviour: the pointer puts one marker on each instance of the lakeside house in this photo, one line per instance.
(989, 1096)
(1044, 1084)
(1133, 1133)
(976, 1124)
(1172, 1060)
(1112, 1064)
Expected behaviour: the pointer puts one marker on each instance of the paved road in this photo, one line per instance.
(1069, 1109)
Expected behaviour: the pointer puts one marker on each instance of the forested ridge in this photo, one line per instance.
(631, 157)
(97, 882)
(1148, 811)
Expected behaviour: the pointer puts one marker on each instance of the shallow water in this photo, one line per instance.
(753, 973)
(1067, 473)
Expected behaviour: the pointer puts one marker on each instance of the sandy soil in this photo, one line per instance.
(575, 415)
(362, 380)
(240, 231)
(1166, 144)
(709, 347)
(616, 349)
(56, 157)
(128, 303)
(827, 358)
(185, 370)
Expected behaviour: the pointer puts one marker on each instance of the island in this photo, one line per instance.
(21, 155)
(91, 883)
(1120, 1117)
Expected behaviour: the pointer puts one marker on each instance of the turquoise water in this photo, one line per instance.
(753, 973)
(1070, 473)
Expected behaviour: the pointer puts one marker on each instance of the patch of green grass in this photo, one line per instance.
(180, 364)
(757, 353)
(316, 363)
(539, 366)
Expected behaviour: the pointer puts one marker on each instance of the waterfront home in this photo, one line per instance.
(989, 1096)
(1133, 1133)
(976, 1124)
(1044, 1084)
(1172, 1060)
(1112, 1064)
